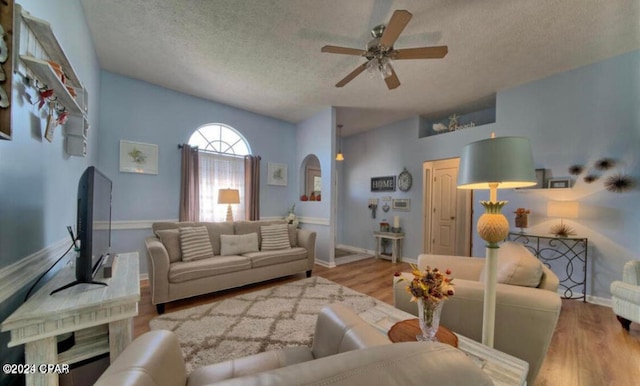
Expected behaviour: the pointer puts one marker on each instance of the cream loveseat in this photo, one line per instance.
(526, 313)
(625, 295)
(346, 351)
(187, 259)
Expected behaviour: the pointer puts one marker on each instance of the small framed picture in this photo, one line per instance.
(557, 183)
(539, 180)
(277, 174)
(401, 204)
(136, 157)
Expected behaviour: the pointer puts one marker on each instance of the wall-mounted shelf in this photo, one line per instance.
(531, 190)
(43, 71)
(36, 47)
(42, 31)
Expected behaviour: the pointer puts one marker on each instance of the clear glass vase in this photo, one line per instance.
(429, 316)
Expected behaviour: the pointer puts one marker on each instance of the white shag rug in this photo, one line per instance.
(255, 322)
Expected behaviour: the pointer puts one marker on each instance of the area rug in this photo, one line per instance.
(259, 321)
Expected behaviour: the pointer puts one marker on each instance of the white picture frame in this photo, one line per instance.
(277, 174)
(138, 157)
(403, 204)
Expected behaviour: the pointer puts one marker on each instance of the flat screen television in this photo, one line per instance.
(93, 225)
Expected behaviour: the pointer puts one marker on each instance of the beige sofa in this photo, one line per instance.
(236, 257)
(525, 317)
(345, 351)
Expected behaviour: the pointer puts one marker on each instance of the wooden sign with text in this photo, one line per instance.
(383, 184)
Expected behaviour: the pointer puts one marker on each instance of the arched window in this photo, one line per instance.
(221, 155)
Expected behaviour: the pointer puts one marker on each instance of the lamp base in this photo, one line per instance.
(229, 213)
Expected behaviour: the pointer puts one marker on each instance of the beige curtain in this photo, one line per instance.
(252, 187)
(189, 185)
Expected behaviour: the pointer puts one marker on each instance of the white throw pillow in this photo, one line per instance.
(517, 266)
(195, 243)
(275, 237)
(238, 244)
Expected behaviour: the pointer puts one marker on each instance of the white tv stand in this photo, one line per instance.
(100, 316)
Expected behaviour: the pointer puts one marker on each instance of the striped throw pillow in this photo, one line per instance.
(275, 237)
(195, 243)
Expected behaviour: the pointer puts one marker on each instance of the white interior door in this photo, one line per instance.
(448, 213)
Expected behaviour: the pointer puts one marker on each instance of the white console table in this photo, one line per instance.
(100, 316)
(396, 239)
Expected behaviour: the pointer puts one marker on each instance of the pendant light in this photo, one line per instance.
(339, 156)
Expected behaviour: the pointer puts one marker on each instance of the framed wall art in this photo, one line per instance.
(401, 204)
(277, 174)
(540, 180)
(136, 157)
(558, 183)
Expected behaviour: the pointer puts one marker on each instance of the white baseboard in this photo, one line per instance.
(323, 263)
(16, 276)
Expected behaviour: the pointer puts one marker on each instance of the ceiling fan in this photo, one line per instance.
(380, 52)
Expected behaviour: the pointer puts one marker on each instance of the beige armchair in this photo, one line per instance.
(625, 295)
(525, 318)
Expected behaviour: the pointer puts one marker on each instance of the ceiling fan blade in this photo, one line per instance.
(437, 52)
(343, 50)
(399, 20)
(392, 81)
(352, 75)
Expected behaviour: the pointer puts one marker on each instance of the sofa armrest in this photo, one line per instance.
(549, 281)
(399, 364)
(461, 267)
(307, 240)
(158, 265)
(631, 272)
(152, 359)
(340, 329)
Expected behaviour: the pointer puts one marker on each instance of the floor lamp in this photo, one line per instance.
(503, 162)
(229, 196)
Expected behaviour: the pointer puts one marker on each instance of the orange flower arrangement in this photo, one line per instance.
(431, 285)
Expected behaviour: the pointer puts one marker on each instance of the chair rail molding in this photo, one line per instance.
(17, 275)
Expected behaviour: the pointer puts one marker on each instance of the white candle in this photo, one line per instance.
(396, 221)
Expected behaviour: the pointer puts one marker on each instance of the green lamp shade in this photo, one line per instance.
(507, 161)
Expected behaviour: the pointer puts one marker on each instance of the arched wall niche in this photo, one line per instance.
(310, 179)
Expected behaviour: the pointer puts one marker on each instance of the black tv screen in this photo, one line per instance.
(93, 223)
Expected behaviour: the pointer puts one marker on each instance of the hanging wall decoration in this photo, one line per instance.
(619, 183)
(589, 178)
(575, 169)
(605, 164)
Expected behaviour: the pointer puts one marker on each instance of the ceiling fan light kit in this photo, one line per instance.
(380, 52)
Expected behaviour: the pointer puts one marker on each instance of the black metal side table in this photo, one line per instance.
(568, 254)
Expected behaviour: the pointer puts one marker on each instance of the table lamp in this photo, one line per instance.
(562, 210)
(504, 162)
(229, 196)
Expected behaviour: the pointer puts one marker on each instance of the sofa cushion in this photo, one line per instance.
(171, 240)
(185, 271)
(516, 266)
(293, 235)
(265, 258)
(275, 237)
(215, 230)
(238, 244)
(245, 227)
(195, 244)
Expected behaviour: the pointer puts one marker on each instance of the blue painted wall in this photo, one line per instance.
(574, 117)
(38, 180)
(316, 135)
(138, 111)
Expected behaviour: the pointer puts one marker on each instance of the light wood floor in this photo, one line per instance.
(589, 347)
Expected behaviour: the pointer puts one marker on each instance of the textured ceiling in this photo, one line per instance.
(264, 55)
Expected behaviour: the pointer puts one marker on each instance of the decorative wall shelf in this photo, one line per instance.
(36, 45)
(45, 74)
(42, 31)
